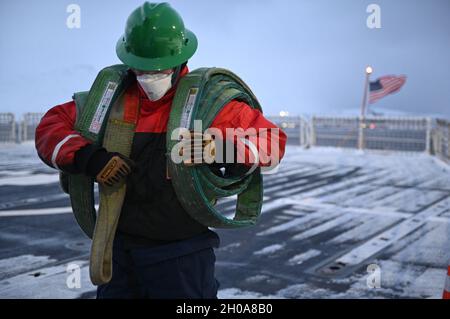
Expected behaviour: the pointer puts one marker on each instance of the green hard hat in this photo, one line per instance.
(155, 39)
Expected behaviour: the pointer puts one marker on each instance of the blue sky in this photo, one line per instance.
(302, 56)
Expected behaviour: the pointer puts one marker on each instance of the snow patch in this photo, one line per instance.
(236, 293)
(36, 179)
(301, 258)
(269, 250)
(256, 279)
(47, 283)
(19, 264)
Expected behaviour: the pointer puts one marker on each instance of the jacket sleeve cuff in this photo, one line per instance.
(84, 155)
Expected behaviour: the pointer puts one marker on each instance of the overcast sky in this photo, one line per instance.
(299, 56)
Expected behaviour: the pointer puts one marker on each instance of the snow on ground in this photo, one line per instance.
(328, 214)
(21, 166)
(49, 282)
(20, 158)
(338, 211)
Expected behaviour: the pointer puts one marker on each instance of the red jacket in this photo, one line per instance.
(151, 209)
(57, 141)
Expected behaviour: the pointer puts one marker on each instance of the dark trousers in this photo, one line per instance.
(155, 272)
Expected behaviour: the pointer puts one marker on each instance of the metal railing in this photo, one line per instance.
(334, 131)
(7, 128)
(16, 132)
(28, 126)
(441, 140)
(379, 133)
(297, 128)
(403, 134)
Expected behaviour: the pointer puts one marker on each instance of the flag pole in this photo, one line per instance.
(362, 116)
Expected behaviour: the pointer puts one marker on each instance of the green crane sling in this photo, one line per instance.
(201, 95)
(100, 118)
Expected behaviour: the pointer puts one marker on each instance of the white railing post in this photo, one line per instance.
(361, 140)
(19, 132)
(13, 128)
(428, 136)
(300, 131)
(24, 127)
(448, 140)
(313, 131)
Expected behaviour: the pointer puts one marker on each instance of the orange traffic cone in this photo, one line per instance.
(446, 294)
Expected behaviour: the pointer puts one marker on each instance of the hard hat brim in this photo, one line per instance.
(157, 64)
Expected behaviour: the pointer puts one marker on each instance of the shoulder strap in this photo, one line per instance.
(80, 100)
(118, 137)
(108, 117)
(109, 84)
(93, 110)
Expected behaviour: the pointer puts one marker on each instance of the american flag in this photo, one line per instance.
(384, 86)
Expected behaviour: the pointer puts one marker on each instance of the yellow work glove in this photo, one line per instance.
(198, 148)
(114, 172)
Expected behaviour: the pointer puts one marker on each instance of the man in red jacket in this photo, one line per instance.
(159, 250)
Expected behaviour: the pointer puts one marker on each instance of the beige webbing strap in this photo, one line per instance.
(118, 138)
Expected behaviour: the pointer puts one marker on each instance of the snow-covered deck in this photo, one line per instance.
(328, 215)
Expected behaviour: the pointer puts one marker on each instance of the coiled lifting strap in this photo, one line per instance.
(201, 95)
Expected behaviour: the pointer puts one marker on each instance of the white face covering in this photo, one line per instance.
(155, 85)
